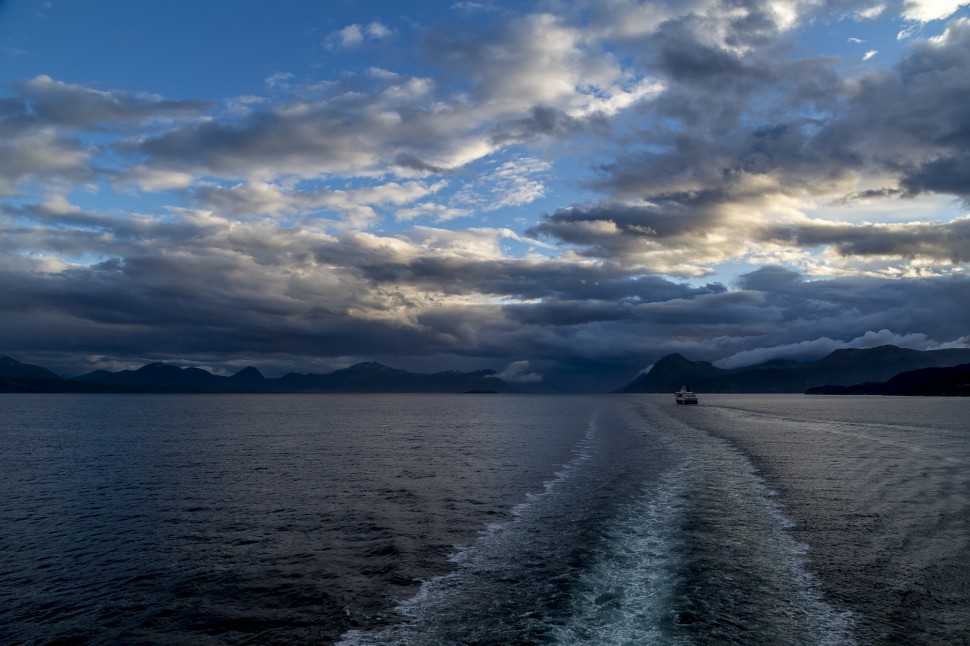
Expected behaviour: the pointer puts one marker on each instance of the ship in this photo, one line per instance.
(685, 396)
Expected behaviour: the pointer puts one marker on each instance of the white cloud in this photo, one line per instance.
(356, 206)
(475, 243)
(869, 54)
(516, 182)
(930, 10)
(517, 372)
(154, 180)
(42, 154)
(871, 12)
(279, 80)
(611, 100)
(349, 36)
(820, 347)
(437, 212)
(380, 73)
(378, 30)
(355, 34)
(59, 205)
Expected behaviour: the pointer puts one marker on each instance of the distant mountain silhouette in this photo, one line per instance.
(13, 368)
(368, 377)
(864, 370)
(841, 367)
(953, 381)
(248, 377)
(374, 378)
(16, 377)
(158, 375)
(670, 373)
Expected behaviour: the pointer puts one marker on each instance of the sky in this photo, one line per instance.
(562, 191)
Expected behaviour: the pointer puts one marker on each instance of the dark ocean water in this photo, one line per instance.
(483, 519)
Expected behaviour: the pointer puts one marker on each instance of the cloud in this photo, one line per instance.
(518, 372)
(437, 212)
(658, 236)
(352, 215)
(43, 129)
(948, 242)
(377, 30)
(355, 34)
(542, 121)
(42, 155)
(400, 127)
(537, 72)
(869, 54)
(288, 293)
(817, 348)
(357, 207)
(63, 104)
(869, 13)
(279, 80)
(515, 182)
(152, 180)
(720, 186)
(349, 36)
(528, 78)
(930, 10)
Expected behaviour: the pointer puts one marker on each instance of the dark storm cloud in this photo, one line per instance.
(684, 57)
(871, 193)
(664, 218)
(514, 278)
(694, 168)
(569, 313)
(202, 286)
(949, 174)
(945, 242)
(172, 319)
(621, 231)
(411, 161)
(845, 308)
(674, 310)
(661, 235)
(602, 317)
(721, 71)
(770, 279)
(542, 121)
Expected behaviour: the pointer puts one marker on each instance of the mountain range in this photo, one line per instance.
(856, 371)
(844, 367)
(952, 381)
(161, 377)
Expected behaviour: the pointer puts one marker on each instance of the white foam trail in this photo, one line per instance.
(626, 596)
(752, 520)
(494, 540)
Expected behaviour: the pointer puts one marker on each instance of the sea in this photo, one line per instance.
(484, 519)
